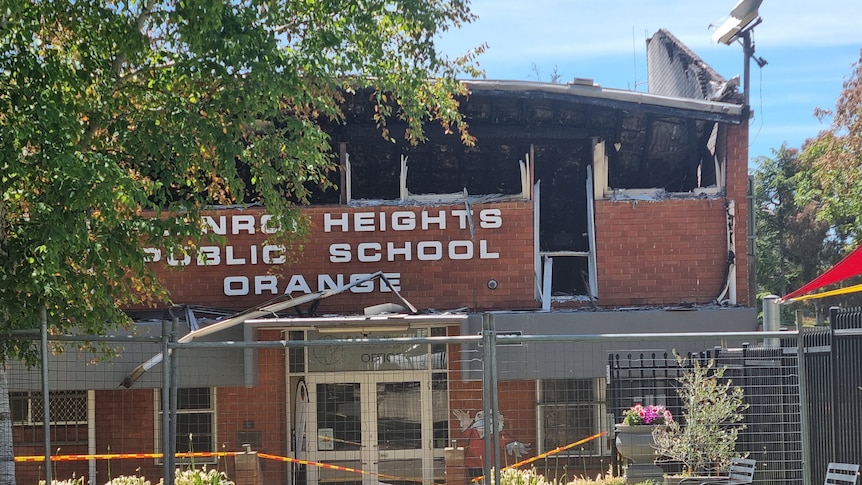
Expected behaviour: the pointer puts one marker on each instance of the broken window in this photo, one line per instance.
(574, 148)
(665, 153)
(562, 175)
(561, 170)
(376, 168)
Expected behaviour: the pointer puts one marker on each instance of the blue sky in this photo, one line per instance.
(810, 47)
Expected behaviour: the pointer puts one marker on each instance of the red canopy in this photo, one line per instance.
(848, 267)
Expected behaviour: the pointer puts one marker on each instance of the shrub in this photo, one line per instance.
(181, 477)
(123, 480)
(531, 477)
(712, 410)
(200, 477)
(72, 481)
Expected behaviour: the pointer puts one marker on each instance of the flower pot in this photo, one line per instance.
(636, 445)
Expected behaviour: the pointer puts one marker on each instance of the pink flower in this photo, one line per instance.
(653, 414)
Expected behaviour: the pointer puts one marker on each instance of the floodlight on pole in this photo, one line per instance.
(743, 14)
(742, 20)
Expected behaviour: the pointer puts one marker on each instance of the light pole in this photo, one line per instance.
(742, 20)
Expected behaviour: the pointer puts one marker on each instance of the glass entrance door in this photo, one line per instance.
(371, 427)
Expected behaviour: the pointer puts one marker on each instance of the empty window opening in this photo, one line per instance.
(670, 155)
(432, 169)
(562, 174)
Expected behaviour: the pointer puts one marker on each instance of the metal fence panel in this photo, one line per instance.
(327, 408)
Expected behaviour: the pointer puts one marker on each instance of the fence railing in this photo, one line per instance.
(324, 408)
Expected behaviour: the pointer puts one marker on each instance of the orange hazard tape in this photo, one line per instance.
(337, 467)
(121, 456)
(548, 453)
(127, 456)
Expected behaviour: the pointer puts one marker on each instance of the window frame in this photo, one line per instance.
(33, 399)
(596, 404)
(211, 411)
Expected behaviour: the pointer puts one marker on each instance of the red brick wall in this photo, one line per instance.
(66, 440)
(663, 252)
(125, 423)
(659, 253)
(258, 411)
(737, 190)
(517, 405)
(674, 251)
(443, 283)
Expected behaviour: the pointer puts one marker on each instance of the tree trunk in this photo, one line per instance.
(7, 455)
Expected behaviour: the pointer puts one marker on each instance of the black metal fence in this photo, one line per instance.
(772, 433)
(546, 403)
(833, 369)
(776, 428)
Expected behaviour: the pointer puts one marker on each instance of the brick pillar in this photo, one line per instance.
(456, 474)
(247, 468)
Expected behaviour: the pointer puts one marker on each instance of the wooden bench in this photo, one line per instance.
(841, 474)
(741, 471)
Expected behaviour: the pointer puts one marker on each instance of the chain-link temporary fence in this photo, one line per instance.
(392, 405)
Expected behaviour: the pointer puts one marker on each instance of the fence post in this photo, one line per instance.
(486, 393)
(803, 401)
(489, 401)
(833, 372)
(495, 404)
(771, 320)
(46, 397)
(612, 373)
(167, 456)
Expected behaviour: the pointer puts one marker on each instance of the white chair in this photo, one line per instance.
(741, 471)
(841, 474)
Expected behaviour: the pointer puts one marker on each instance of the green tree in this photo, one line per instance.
(835, 158)
(828, 194)
(712, 411)
(115, 113)
(793, 245)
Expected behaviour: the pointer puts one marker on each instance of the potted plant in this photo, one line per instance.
(635, 442)
(712, 416)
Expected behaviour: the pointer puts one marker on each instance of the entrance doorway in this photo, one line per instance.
(367, 428)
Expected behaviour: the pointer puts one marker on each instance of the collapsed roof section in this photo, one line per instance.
(379, 316)
(674, 70)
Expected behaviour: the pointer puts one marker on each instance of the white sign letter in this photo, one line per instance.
(242, 223)
(368, 252)
(262, 283)
(236, 286)
(329, 222)
(490, 219)
(466, 253)
(339, 253)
